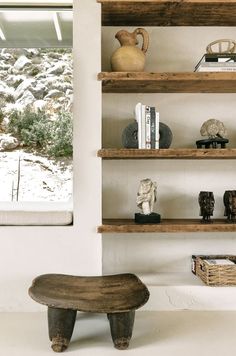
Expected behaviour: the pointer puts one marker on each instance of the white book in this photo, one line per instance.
(138, 118)
(219, 261)
(153, 126)
(216, 69)
(157, 135)
(143, 127)
(218, 64)
(148, 127)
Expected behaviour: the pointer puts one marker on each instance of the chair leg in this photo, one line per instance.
(60, 326)
(121, 325)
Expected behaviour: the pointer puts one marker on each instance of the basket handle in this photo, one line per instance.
(202, 267)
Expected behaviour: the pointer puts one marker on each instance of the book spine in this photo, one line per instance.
(216, 69)
(213, 57)
(153, 127)
(143, 127)
(218, 64)
(138, 118)
(148, 127)
(157, 135)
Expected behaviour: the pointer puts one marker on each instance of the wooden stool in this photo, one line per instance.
(116, 295)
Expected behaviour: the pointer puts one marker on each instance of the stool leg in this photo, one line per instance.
(121, 325)
(60, 326)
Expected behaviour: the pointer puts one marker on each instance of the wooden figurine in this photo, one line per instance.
(230, 205)
(207, 202)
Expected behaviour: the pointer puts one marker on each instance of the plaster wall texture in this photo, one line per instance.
(30, 251)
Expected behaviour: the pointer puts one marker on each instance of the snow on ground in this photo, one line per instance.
(41, 179)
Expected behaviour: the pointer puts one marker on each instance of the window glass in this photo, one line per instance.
(36, 97)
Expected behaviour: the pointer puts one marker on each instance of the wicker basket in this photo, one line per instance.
(215, 275)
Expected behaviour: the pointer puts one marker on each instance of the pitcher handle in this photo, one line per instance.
(144, 34)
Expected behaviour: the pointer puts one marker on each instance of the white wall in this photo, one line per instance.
(179, 182)
(27, 252)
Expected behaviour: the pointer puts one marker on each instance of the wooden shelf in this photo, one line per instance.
(169, 153)
(182, 82)
(168, 13)
(167, 225)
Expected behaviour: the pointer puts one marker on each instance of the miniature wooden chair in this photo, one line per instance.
(116, 295)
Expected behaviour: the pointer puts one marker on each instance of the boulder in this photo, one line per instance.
(6, 92)
(54, 94)
(10, 108)
(8, 142)
(21, 62)
(62, 86)
(54, 55)
(39, 91)
(4, 66)
(69, 92)
(36, 60)
(39, 105)
(32, 52)
(57, 69)
(22, 87)
(5, 56)
(15, 80)
(15, 52)
(26, 99)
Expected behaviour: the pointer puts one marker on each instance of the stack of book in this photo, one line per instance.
(148, 126)
(217, 62)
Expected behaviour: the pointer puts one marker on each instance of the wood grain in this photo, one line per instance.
(168, 13)
(169, 153)
(106, 294)
(181, 82)
(167, 225)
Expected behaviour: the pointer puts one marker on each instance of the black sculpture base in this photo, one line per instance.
(231, 220)
(152, 218)
(206, 221)
(212, 143)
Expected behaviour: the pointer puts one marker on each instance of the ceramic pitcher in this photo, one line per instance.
(129, 57)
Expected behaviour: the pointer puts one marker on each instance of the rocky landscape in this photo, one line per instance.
(40, 80)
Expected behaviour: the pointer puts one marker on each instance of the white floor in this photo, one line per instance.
(155, 333)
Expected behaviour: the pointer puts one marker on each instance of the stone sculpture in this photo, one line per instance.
(146, 198)
(213, 128)
(207, 202)
(130, 135)
(230, 205)
(216, 132)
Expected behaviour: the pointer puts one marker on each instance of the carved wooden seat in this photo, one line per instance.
(116, 295)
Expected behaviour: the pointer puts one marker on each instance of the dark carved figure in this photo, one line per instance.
(207, 202)
(230, 205)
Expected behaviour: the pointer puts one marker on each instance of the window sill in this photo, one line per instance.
(36, 214)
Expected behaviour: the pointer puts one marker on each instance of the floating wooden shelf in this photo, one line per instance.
(168, 13)
(167, 225)
(169, 153)
(182, 82)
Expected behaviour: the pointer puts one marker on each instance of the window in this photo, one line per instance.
(36, 96)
